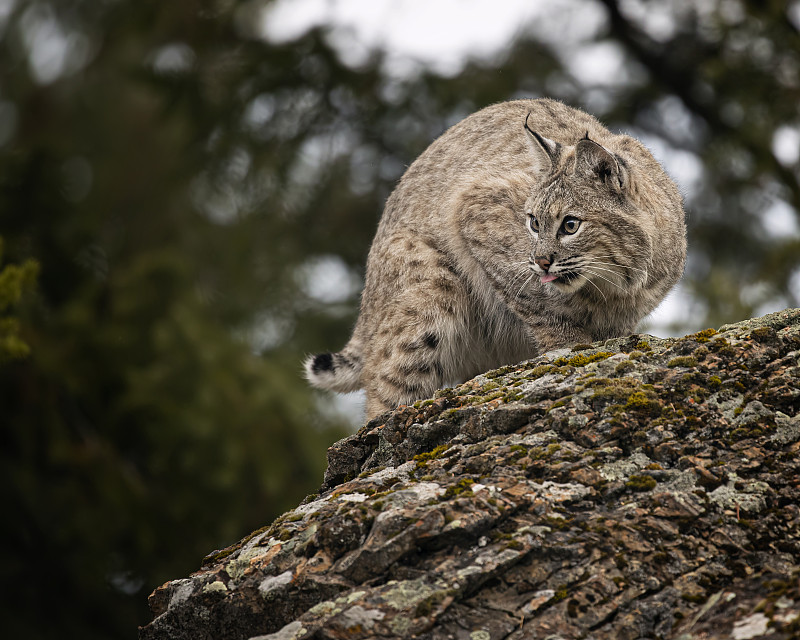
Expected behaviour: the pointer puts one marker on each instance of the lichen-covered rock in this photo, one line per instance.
(639, 488)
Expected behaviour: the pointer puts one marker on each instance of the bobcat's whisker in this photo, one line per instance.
(614, 259)
(616, 273)
(621, 266)
(517, 274)
(524, 284)
(580, 275)
(594, 273)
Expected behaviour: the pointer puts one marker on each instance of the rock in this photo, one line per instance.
(640, 488)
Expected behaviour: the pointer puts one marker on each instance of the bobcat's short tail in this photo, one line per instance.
(334, 371)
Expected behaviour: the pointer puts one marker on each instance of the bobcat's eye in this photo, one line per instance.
(533, 224)
(570, 225)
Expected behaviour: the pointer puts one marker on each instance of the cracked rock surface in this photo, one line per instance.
(636, 488)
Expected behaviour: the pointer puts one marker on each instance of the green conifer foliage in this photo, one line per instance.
(14, 281)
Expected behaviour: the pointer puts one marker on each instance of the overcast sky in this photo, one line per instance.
(439, 33)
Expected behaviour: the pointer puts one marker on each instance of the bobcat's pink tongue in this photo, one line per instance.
(548, 278)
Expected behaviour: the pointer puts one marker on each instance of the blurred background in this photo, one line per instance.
(188, 190)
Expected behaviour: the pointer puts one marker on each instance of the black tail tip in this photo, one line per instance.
(322, 362)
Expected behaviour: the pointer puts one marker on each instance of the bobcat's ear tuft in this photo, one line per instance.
(545, 151)
(595, 162)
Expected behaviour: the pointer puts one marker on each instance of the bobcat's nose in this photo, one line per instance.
(544, 262)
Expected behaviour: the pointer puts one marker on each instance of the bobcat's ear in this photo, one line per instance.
(595, 162)
(545, 151)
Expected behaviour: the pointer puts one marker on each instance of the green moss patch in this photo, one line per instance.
(704, 335)
(641, 483)
(624, 367)
(683, 361)
(422, 459)
(764, 335)
(645, 402)
(465, 484)
(581, 359)
(617, 391)
(722, 347)
(538, 372)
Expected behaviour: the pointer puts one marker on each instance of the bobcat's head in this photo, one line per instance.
(584, 227)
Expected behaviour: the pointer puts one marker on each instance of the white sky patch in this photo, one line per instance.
(684, 167)
(53, 51)
(673, 312)
(676, 118)
(771, 306)
(779, 220)
(601, 63)
(657, 19)
(793, 13)
(6, 7)
(348, 407)
(441, 34)
(173, 59)
(328, 279)
(220, 203)
(660, 19)
(259, 111)
(752, 294)
(786, 145)
(269, 331)
(794, 284)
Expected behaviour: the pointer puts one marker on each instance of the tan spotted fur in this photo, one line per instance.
(452, 287)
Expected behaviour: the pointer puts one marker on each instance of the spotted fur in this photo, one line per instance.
(472, 266)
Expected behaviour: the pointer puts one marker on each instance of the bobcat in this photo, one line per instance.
(526, 227)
